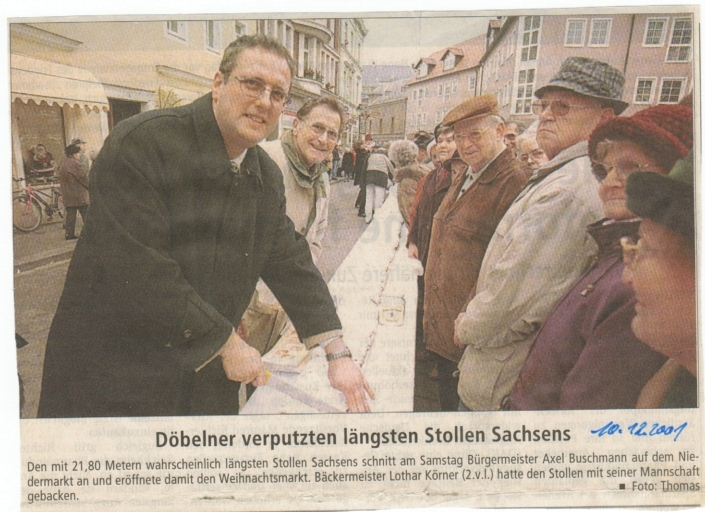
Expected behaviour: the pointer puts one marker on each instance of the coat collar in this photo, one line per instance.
(305, 176)
(213, 154)
(607, 233)
(491, 173)
(493, 170)
(571, 153)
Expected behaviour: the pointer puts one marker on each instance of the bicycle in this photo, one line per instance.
(27, 207)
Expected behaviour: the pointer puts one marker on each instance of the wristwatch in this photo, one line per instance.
(338, 355)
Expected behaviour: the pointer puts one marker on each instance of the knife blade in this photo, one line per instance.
(297, 394)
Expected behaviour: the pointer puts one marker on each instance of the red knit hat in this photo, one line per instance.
(664, 131)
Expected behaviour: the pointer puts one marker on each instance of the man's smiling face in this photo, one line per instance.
(244, 119)
(312, 134)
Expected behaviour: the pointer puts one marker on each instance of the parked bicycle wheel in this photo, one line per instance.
(26, 215)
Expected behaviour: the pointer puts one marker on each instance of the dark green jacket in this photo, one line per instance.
(166, 265)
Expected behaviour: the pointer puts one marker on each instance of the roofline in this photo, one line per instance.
(445, 74)
(505, 28)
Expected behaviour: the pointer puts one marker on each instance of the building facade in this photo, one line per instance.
(327, 53)
(80, 79)
(443, 79)
(654, 51)
(384, 116)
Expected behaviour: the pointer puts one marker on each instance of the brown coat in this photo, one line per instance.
(461, 232)
(408, 179)
(74, 182)
(433, 189)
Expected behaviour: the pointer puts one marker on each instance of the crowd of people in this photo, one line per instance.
(528, 300)
(559, 266)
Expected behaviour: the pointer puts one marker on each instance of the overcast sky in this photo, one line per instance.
(404, 41)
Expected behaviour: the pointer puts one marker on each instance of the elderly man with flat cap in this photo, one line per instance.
(541, 245)
(462, 228)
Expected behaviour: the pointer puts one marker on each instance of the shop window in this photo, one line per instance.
(121, 110)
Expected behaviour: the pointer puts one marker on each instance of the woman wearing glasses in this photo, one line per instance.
(661, 270)
(585, 355)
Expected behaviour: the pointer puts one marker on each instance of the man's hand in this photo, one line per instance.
(413, 251)
(241, 362)
(345, 376)
(456, 339)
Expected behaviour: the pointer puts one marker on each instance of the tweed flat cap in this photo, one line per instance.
(479, 106)
(667, 200)
(589, 77)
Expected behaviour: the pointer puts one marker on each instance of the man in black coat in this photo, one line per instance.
(188, 214)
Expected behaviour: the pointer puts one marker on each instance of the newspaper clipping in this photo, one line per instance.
(357, 261)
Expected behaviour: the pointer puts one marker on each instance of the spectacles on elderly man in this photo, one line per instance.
(255, 89)
(319, 129)
(558, 107)
(474, 136)
(601, 170)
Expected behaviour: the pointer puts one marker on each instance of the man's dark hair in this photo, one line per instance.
(234, 49)
(325, 101)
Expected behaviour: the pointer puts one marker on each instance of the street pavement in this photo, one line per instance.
(42, 258)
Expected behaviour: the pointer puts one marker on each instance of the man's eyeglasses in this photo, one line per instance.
(535, 155)
(601, 170)
(319, 129)
(255, 89)
(558, 107)
(474, 136)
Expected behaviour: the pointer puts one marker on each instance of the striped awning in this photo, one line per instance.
(40, 80)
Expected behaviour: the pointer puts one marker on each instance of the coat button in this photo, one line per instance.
(187, 333)
(434, 287)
